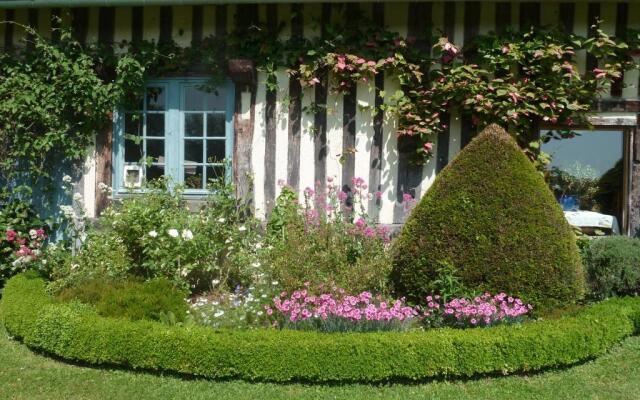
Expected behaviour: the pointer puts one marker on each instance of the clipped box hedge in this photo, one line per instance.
(75, 332)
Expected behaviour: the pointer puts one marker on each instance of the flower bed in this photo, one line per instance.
(75, 332)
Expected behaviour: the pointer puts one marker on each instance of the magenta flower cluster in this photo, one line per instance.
(302, 305)
(339, 311)
(26, 246)
(483, 310)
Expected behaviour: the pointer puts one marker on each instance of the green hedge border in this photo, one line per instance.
(74, 332)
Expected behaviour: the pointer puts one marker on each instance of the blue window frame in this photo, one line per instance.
(180, 131)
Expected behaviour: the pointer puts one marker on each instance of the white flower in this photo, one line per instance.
(153, 234)
(67, 211)
(242, 228)
(104, 188)
(259, 313)
(215, 303)
(274, 283)
(187, 234)
(221, 220)
(173, 233)
(67, 179)
(215, 282)
(74, 266)
(77, 197)
(218, 313)
(256, 264)
(33, 234)
(227, 241)
(258, 245)
(184, 272)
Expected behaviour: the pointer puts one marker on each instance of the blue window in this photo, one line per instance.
(180, 131)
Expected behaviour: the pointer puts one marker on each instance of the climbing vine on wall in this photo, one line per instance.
(515, 79)
(54, 98)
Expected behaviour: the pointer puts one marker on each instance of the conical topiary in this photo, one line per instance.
(491, 216)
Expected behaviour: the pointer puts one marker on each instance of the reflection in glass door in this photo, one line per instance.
(587, 173)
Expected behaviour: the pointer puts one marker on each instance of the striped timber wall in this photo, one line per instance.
(277, 140)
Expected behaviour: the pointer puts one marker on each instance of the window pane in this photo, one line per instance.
(193, 177)
(197, 99)
(193, 125)
(133, 124)
(215, 151)
(216, 125)
(154, 172)
(132, 151)
(155, 149)
(215, 172)
(193, 151)
(586, 172)
(155, 99)
(155, 124)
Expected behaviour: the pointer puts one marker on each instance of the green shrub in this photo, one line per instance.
(612, 264)
(163, 237)
(308, 245)
(129, 299)
(102, 257)
(79, 334)
(491, 215)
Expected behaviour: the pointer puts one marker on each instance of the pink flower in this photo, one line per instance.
(428, 146)
(407, 197)
(599, 73)
(308, 192)
(506, 49)
(11, 235)
(360, 222)
(378, 195)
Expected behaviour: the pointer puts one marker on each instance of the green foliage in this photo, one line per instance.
(163, 237)
(52, 103)
(102, 256)
(612, 264)
(19, 216)
(447, 283)
(156, 299)
(322, 245)
(491, 215)
(18, 221)
(78, 333)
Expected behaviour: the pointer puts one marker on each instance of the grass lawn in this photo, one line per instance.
(25, 375)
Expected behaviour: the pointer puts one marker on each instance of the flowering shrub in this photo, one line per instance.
(338, 311)
(327, 237)
(241, 308)
(515, 79)
(154, 234)
(20, 250)
(483, 310)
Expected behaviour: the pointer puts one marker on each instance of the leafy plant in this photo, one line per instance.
(612, 264)
(131, 299)
(326, 238)
(490, 214)
(53, 100)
